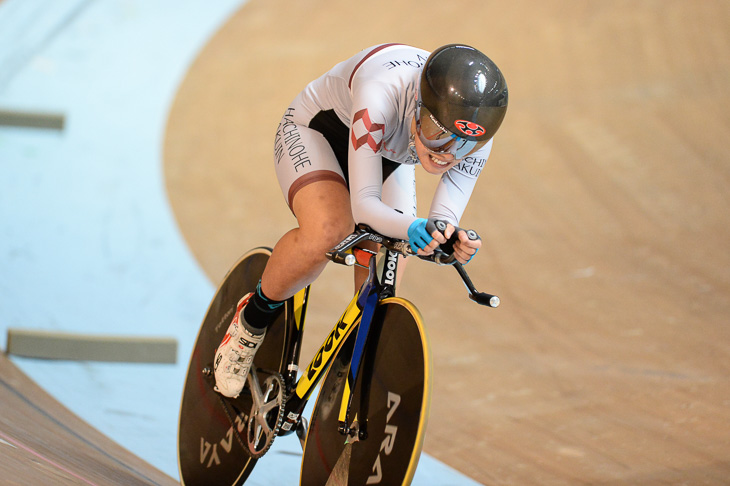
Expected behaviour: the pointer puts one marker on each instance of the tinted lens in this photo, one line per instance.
(436, 138)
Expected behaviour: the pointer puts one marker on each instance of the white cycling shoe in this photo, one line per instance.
(234, 356)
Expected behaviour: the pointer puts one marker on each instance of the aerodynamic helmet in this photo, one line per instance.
(462, 100)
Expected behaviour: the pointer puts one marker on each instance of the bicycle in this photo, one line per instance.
(369, 419)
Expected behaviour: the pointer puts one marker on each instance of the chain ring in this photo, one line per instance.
(266, 418)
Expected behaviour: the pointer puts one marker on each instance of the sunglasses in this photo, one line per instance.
(439, 140)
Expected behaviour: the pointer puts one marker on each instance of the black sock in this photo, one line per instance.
(261, 311)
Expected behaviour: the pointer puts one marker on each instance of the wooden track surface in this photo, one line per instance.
(41, 442)
(604, 213)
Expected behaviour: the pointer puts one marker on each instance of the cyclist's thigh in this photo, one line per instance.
(399, 189)
(303, 157)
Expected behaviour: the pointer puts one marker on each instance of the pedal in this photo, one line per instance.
(208, 375)
(302, 430)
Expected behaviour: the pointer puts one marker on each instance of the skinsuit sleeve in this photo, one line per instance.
(456, 186)
(372, 119)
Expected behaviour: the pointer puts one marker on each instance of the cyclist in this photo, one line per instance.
(345, 151)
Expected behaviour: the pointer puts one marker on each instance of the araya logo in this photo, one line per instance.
(388, 442)
(470, 129)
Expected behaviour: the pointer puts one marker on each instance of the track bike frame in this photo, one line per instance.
(379, 285)
(359, 312)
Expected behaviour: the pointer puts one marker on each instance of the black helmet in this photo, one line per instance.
(462, 100)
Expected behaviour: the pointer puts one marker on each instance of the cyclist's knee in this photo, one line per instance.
(328, 231)
(324, 215)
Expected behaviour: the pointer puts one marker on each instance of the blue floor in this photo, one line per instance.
(88, 242)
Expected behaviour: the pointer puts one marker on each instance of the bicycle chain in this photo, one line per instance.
(225, 405)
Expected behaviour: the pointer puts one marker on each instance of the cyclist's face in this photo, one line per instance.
(432, 162)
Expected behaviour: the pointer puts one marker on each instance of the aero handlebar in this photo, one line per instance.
(342, 254)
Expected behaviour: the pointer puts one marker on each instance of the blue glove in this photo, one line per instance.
(418, 237)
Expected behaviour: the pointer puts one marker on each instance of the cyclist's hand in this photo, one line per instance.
(465, 248)
(463, 245)
(439, 238)
(421, 241)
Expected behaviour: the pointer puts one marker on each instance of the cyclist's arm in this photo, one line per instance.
(452, 196)
(365, 166)
(456, 186)
(366, 186)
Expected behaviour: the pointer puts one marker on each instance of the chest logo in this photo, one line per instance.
(365, 132)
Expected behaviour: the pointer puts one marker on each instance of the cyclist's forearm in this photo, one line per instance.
(370, 210)
(366, 188)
